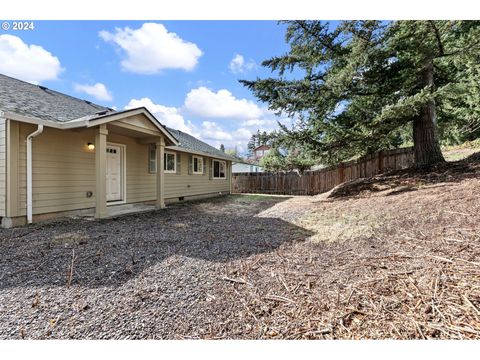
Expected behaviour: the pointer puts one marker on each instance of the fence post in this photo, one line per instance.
(342, 172)
(380, 162)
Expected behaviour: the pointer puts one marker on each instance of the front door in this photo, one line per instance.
(114, 173)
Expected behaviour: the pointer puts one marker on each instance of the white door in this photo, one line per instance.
(114, 173)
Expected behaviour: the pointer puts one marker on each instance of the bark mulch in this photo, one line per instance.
(397, 256)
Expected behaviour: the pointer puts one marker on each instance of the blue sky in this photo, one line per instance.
(185, 72)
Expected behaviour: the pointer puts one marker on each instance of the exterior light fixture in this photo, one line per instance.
(90, 146)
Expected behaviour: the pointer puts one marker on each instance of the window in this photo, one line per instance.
(170, 162)
(197, 164)
(152, 159)
(219, 169)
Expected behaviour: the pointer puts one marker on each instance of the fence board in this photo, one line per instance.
(319, 181)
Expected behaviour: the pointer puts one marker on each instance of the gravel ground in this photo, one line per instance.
(397, 256)
(154, 275)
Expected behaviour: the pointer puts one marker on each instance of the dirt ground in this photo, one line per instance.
(397, 256)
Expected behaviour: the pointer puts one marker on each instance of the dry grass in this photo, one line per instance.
(342, 226)
(383, 263)
(460, 152)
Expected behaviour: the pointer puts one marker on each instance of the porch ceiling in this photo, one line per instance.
(116, 128)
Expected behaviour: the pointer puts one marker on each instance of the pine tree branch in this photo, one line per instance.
(438, 37)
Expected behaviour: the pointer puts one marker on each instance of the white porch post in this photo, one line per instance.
(101, 172)
(160, 145)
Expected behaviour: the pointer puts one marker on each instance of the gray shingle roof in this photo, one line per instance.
(27, 99)
(192, 143)
(32, 100)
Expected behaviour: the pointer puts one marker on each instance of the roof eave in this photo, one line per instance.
(197, 152)
(32, 120)
(90, 122)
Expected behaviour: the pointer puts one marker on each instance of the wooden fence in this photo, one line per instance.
(319, 181)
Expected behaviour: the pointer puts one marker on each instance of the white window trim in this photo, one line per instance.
(174, 171)
(150, 148)
(213, 168)
(193, 166)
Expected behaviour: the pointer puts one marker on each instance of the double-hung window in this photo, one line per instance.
(169, 161)
(197, 165)
(152, 159)
(219, 169)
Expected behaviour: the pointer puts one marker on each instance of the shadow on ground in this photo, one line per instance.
(111, 252)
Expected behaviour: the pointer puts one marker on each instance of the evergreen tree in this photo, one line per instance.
(365, 84)
(233, 152)
(251, 145)
(287, 160)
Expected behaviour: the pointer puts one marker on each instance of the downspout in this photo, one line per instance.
(29, 172)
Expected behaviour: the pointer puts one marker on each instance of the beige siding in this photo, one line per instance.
(141, 186)
(3, 166)
(185, 184)
(64, 171)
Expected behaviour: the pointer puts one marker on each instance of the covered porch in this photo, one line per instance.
(112, 197)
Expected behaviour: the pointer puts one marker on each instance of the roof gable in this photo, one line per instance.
(139, 121)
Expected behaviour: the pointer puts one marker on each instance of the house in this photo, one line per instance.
(60, 155)
(259, 152)
(244, 167)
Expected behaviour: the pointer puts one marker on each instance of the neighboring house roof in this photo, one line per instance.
(262, 147)
(37, 104)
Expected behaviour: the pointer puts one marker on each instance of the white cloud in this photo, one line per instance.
(221, 104)
(260, 123)
(31, 63)
(242, 134)
(245, 117)
(212, 131)
(224, 119)
(151, 49)
(168, 116)
(99, 91)
(239, 66)
(214, 134)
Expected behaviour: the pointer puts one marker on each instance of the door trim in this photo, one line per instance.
(123, 165)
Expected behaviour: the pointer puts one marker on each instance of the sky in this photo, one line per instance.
(185, 72)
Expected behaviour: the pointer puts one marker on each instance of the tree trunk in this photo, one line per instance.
(425, 134)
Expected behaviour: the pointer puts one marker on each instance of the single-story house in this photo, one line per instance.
(61, 155)
(244, 167)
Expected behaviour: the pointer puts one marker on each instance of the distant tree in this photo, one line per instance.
(287, 160)
(264, 138)
(251, 145)
(361, 86)
(222, 148)
(234, 152)
(258, 138)
(274, 161)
